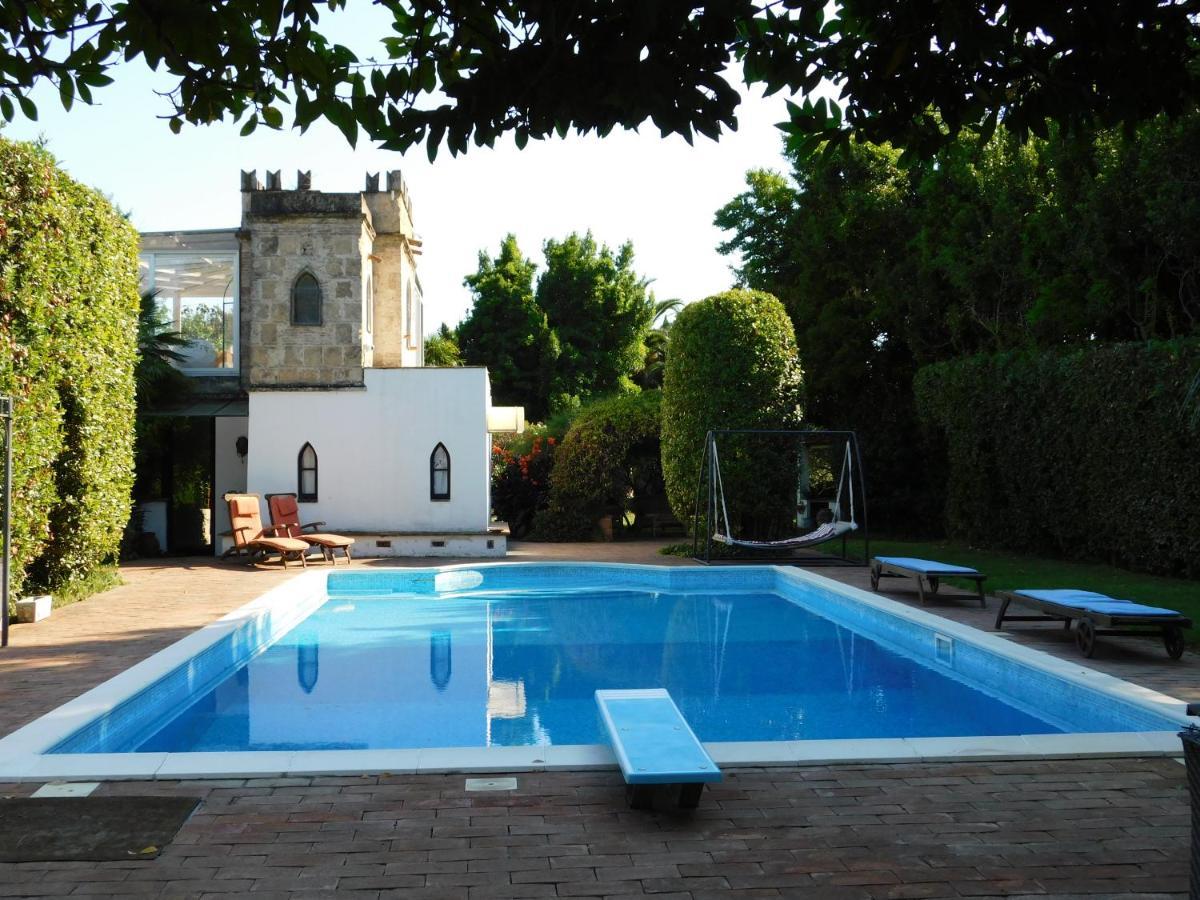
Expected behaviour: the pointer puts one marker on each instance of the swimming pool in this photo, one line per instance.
(495, 666)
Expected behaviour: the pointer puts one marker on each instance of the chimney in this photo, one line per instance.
(304, 180)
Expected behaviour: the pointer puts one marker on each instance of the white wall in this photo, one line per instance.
(373, 449)
(229, 469)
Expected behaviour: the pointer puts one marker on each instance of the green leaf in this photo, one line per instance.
(27, 107)
(248, 128)
(66, 91)
(6, 107)
(272, 117)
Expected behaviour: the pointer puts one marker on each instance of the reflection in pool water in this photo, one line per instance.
(521, 668)
(441, 663)
(308, 665)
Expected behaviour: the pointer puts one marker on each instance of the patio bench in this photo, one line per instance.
(660, 756)
(928, 572)
(1097, 614)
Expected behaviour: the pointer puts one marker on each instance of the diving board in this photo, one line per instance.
(658, 752)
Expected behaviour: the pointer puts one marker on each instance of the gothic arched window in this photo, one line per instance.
(439, 473)
(306, 474)
(306, 300)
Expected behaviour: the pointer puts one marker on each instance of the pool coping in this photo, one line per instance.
(23, 756)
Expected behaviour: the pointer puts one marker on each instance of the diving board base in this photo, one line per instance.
(662, 760)
(664, 796)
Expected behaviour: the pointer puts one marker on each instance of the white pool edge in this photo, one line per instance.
(23, 757)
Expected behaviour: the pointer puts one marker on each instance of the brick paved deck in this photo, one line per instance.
(1057, 828)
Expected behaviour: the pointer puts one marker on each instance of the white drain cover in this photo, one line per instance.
(67, 789)
(491, 784)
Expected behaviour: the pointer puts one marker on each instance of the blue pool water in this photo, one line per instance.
(506, 655)
(409, 671)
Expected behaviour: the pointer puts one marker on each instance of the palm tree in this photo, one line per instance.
(655, 360)
(159, 345)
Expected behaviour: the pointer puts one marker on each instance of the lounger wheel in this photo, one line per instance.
(1085, 638)
(1173, 640)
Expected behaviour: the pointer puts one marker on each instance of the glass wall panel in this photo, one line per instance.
(198, 292)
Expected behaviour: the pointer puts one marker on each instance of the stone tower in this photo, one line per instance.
(360, 250)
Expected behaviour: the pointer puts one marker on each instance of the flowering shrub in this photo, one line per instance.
(521, 483)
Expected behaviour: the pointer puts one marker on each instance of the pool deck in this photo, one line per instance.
(1044, 828)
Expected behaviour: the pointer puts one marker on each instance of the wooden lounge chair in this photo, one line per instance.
(285, 516)
(928, 573)
(1096, 614)
(254, 541)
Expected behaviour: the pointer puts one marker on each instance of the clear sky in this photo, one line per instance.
(659, 193)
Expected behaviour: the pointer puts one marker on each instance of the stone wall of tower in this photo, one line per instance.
(281, 351)
(394, 267)
(359, 246)
(389, 301)
(286, 234)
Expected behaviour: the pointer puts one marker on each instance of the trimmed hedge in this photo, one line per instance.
(68, 346)
(732, 363)
(1086, 453)
(608, 463)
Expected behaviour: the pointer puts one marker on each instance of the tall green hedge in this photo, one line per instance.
(732, 363)
(608, 464)
(1085, 453)
(68, 346)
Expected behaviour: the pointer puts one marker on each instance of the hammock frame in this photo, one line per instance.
(709, 506)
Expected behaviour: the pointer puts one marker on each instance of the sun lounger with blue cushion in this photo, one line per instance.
(928, 573)
(659, 755)
(1096, 614)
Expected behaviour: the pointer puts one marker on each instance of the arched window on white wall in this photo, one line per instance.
(306, 300)
(439, 473)
(306, 474)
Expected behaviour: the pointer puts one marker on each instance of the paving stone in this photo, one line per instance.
(1091, 828)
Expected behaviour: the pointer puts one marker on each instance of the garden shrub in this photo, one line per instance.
(521, 482)
(608, 464)
(68, 346)
(1084, 452)
(732, 363)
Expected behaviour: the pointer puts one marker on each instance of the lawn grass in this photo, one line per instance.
(101, 579)
(1012, 570)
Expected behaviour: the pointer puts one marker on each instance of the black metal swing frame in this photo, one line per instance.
(702, 549)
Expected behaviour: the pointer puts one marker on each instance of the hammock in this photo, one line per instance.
(826, 531)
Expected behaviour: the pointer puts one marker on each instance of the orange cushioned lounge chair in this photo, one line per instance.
(251, 539)
(285, 516)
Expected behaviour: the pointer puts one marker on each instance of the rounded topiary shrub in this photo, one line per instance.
(608, 464)
(732, 363)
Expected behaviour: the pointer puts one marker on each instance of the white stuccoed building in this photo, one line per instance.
(306, 355)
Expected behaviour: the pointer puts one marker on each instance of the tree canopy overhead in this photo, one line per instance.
(914, 73)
